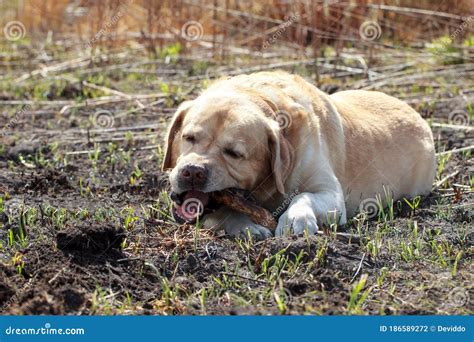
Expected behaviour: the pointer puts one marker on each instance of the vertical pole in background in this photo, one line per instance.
(314, 40)
(214, 30)
(224, 38)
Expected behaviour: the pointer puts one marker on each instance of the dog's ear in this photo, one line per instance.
(282, 156)
(173, 131)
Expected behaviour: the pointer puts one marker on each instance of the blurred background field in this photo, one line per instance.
(68, 49)
(86, 91)
(243, 24)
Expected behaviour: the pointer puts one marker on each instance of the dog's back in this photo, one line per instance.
(388, 144)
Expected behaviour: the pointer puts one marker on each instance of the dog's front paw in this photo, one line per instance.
(297, 222)
(257, 231)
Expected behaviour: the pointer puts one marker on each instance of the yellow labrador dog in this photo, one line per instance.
(305, 155)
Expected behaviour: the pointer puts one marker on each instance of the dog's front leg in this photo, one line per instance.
(308, 210)
(236, 224)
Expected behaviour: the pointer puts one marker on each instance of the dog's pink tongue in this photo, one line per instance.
(202, 197)
(193, 205)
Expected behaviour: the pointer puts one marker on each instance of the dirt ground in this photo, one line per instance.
(85, 226)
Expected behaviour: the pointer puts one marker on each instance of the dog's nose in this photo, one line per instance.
(195, 175)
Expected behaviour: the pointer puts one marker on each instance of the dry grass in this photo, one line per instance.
(235, 23)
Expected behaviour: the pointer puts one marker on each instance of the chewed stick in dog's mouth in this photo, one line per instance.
(192, 205)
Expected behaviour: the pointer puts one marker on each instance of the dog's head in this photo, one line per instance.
(225, 139)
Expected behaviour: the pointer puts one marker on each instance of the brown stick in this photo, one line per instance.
(238, 202)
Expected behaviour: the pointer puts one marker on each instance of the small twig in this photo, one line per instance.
(358, 268)
(107, 90)
(455, 127)
(61, 66)
(351, 257)
(107, 100)
(456, 150)
(411, 10)
(140, 107)
(56, 275)
(451, 194)
(463, 205)
(444, 179)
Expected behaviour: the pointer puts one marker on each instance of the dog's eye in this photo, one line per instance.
(231, 153)
(190, 138)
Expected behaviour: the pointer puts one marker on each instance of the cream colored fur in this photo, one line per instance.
(328, 152)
